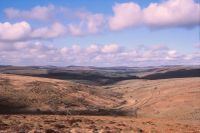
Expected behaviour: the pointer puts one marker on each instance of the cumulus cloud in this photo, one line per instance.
(79, 22)
(125, 15)
(43, 13)
(94, 22)
(93, 49)
(170, 13)
(56, 30)
(171, 54)
(13, 32)
(75, 30)
(112, 48)
(22, 31)
(37, 53)
(89, 24)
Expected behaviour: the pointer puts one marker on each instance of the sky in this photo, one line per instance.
(99, 33)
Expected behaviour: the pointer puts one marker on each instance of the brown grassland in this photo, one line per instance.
(36, 105)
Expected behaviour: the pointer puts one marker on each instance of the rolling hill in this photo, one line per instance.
(104, 100)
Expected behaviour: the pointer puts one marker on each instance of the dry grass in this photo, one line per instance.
(167, 98)
(168, 105)
(42, 95)
(92, 124)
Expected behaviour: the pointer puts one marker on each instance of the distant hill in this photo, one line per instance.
(103, 75)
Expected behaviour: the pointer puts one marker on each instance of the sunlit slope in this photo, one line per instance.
(167, 98)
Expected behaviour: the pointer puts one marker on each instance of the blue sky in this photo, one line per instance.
(94, 5)
(99, 31)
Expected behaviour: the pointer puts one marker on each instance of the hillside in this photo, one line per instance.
(137, 105)
(23, 94)
(166, 98)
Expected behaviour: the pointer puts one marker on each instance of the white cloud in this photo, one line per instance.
(94, 22)
(169, 13)
(75, 30)
(22, 31)
(64, 50)
(12, 32)
(93, 49)
(75, 49)
(171, 54)
(125, 15)
(56, 30)
(89, 24)
(80, 22)
(38, 13)
(36, 53)
(111, 48)
(172, 13)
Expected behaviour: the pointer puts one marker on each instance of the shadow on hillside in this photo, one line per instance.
(105, 80)
(9, 105)
(101, 77)
(95, 78)
(98, 112)
(174, 74)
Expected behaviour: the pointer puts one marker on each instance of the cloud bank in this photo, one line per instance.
(170, 13)
(26, 53)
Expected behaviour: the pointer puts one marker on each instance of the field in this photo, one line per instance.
(127, 100)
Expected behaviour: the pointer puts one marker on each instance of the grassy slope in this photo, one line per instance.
(167, 98)
(41, 95)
